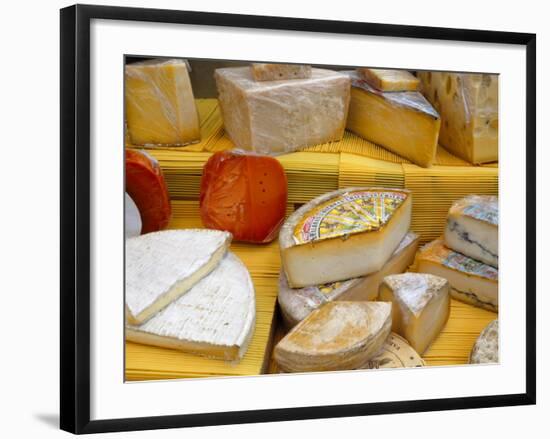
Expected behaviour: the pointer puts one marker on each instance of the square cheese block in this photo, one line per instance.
(337, 336)
(421, 306)
(282, 116)
(403, 122)
(215, 318)
(277, 72)
(162, 266)
(160, 106)
(468, 105)
(297, 303)
(471, 281)
(389, 80)
(472, 228)
(343, 234)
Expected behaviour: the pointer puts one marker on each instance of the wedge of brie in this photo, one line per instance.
(162, 266)
(215, 318)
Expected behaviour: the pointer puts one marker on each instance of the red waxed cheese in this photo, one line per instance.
(147, 187)
(245, 195)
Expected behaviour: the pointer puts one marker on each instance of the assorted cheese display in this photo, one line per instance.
(354, 289)
(344, 234)
(274, 117)
(160, 106)
(403, 122)
(468, 105)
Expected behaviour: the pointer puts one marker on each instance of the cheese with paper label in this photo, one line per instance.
(468, 105)
(471, 281)
(336, 336)
(343, 234)
(421, 306)
(472, 228)
(389, 80)
(162, 266)
(403, 122)
(277, 72)
(275, 117)
(160, 106)
(215, 318)
(297, 303)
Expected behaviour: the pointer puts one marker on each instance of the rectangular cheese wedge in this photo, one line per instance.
(420, 306)
(297, 303)
(471, 281)
(278, 72)
(403, 122)
(336, 336)
(468, 105)
(215, 318)
(162, 266)
(389, 80)
(274, 117)
(343, 234)
(472, 228)
(160, 106)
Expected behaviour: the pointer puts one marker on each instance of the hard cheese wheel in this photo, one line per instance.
(243, 194)
(147, 187)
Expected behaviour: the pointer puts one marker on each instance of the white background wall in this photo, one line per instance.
(29, 219)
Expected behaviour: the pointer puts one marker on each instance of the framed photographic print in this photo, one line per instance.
(284, 218)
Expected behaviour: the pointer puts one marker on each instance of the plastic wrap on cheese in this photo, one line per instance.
(274, 117)
(468, 105)
(160, 106)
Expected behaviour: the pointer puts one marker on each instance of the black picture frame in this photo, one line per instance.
(75, 217)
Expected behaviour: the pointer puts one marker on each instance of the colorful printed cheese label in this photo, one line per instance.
(353, 212)
(480, 207)
(458, 261)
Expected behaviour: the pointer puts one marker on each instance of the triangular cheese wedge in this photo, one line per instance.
(336, 336)
(162, 266)
(421, 306)
(215, 318)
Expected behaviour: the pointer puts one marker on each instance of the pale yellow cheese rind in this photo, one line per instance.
(389, 80)
(160, 106)
(278, 72)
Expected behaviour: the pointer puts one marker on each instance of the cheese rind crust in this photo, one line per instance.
(277, 72)
(403, 122)
(160, 106)
(389, 80)
(472, 228)
(161, 266)
(215, 318)
(297, 303)
(328, 245)
(337, 336)
(485, 349)
(275, 117)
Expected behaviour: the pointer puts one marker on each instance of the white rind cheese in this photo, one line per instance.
(278, 72)
(421, 306)
(343, 234)
(297, 303)
(132, 218)
(161, 266)
(471, 281)
(215, 318)
(472, 228)
(485, 349)
(275, 117)
(337, 336)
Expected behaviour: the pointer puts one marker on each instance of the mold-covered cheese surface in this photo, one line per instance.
(472, 228)
(468, 105)
(215, 318)
(343, 234)
(485, 349)
(337, 336)
(275, 117)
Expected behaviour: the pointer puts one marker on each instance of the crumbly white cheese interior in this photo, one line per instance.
(161, 266)
(337, 336)
(215, 318)
(132, 218)
(421, 306)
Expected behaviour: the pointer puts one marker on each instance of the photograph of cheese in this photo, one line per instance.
(293, 218)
